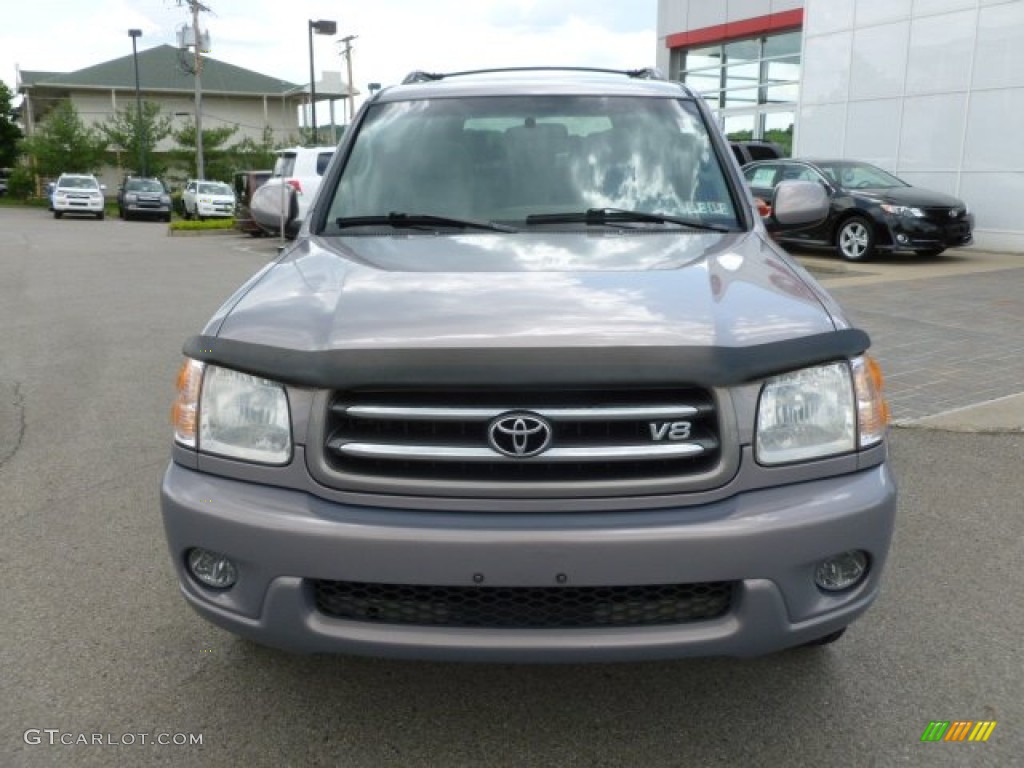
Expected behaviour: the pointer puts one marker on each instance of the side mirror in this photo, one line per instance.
(797, 204)
(103, 187)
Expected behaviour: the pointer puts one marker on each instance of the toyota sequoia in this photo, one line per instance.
(532, 383)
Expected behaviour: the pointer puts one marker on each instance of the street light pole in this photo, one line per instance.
(321, 27)
(348, 60)
(136, 33)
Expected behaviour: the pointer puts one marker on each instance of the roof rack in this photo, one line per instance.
(419, 76)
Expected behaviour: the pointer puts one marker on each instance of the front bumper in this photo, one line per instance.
(766, 542)
(215, 209)
(910, 234)
(79, 205)
(145, 208)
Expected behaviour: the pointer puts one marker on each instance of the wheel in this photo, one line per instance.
(99, 216)
(855, 239)
(167, 218)
(828, 639)
(57, 214)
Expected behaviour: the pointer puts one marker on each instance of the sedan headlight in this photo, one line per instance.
(227, 413)
(822, 411)
(902, 210)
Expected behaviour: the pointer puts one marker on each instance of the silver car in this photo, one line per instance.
(533, 383)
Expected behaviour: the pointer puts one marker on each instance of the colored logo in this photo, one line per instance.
(958, 730)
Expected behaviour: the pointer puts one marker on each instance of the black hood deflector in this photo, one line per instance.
(417, 368)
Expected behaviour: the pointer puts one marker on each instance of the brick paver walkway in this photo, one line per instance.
(944, 342)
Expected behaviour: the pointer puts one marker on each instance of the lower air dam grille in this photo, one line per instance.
(523, 607)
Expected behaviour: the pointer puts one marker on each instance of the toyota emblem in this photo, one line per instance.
(519, 435)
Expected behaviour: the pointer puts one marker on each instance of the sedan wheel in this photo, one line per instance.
(855, 240)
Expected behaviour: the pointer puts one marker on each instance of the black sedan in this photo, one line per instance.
(870, 211)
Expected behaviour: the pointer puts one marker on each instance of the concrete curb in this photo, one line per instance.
(1002, 415)
(201, 232)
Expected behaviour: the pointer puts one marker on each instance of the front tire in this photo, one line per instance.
(99, 216)
(57, 214)
(855, 240)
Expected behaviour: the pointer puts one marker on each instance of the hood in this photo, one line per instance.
(533, 290)
(912, 196)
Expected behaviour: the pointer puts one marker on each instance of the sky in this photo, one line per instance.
(394, 36)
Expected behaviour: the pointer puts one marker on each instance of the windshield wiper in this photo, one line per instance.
(600, 216)
(418, 220)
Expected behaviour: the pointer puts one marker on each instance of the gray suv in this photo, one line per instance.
(533, 383)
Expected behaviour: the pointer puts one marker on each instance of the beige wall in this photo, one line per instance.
(248, 114)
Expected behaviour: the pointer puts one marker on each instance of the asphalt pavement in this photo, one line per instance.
(98, 645)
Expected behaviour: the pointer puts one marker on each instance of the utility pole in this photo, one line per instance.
(200, 169)
(197, 68)
(347, 40)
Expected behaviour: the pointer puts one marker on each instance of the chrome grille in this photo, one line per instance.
(595, 435)
(523, 607)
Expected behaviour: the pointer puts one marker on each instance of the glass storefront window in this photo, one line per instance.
(782, 45)
(747, 75)
(778, 128)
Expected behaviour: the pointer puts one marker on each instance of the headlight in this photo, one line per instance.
(902, 210)
(227, 413)
(131, 197)
(822, 411)
(244, 417)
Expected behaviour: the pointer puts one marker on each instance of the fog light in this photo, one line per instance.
(842, 571)
(902, 239)
(211, 568)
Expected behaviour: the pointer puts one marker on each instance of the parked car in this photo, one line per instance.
(4, 175)
(246, 183)
(207, 199)
(143, 198)
(532, 384)
(78, 193)
(749, 151)
(871, 210)
(296, 179)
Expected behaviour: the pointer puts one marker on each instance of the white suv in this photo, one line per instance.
(77, 193)
(208, 198)
(297, 174)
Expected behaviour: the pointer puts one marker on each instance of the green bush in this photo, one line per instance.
(21, 183)
(207, 224)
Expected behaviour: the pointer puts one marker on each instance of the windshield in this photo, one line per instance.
(506, 158)
(144, 186)
(78, 182)
(859, 175)
(215, 189)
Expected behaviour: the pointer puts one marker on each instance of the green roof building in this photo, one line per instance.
(249, 101)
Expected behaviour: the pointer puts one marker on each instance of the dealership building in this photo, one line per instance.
(931, 90)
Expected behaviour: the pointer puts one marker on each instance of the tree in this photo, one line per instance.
(216, 159)
(64, 144)
(124, 131)
(10, 134)
(251, 155)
